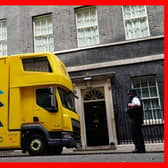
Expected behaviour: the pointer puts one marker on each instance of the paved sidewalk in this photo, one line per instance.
(156, 147)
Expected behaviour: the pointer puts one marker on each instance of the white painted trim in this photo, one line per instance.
(106, 85)
(111, 123)
(116, 63)
(80, 109)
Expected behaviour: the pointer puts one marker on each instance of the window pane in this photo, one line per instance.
(39, 64)
(138, 91)
(146, 88)
(144, 83)
(87, 26)
(43, 98)
(135, 21)
(3, 37)
(46, 99)
(136, 83)
(148, 114)
(153, 92)
(43, 34)
(146, 104)
(127, 12)
(145, 92)
(151, 82)
(157, 114)
(155, 103)
(141, 10)
(67, 99)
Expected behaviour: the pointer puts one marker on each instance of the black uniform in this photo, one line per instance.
(135, 116)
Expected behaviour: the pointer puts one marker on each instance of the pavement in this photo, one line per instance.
(126, 148)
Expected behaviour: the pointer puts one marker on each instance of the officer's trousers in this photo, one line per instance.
(137, 136)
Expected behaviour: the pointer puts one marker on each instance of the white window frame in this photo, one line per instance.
(78, 27)
(3, 37)
(48, 47)
(133, 18)
(153, 120)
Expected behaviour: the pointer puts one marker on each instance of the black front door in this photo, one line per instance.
(96, 123)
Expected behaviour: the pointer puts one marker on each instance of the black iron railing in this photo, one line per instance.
(153, 130)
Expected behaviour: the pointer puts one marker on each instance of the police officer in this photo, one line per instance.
(135, 117)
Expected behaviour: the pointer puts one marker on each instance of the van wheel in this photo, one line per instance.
(36, 145)
(55, 150)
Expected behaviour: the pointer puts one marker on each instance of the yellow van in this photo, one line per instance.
(37, 111)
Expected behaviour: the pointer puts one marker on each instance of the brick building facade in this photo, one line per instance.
(107, 50)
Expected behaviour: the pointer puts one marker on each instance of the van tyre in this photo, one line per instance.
(36, 145)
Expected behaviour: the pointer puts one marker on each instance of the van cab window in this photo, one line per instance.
(46, 99)
(67, 99)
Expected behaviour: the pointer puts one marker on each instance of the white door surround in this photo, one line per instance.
(103, 84)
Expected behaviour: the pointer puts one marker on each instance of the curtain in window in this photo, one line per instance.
(135, 21)
(3, 37)
(87, 26)
(43, 34)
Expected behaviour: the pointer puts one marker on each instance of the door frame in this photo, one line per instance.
(106, 85)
